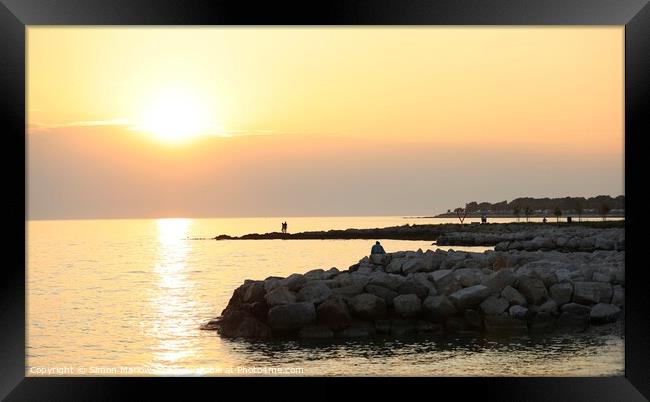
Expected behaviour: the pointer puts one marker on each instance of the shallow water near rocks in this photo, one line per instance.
(127, 297)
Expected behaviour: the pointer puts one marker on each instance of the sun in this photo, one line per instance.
(174, 116)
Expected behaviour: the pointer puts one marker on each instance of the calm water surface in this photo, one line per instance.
(127, 297)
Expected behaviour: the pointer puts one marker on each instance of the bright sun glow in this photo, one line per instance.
(176, 116)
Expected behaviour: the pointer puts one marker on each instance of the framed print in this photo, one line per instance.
(368, 190)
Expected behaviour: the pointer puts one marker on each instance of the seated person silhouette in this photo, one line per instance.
(377, 254)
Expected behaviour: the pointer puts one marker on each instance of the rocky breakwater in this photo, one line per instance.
(572, 238)
(500, 293)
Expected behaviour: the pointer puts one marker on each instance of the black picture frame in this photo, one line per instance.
(16, 15)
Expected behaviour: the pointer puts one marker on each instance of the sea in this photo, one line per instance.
(127, 297)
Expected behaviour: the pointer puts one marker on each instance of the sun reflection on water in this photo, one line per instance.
(173, 297)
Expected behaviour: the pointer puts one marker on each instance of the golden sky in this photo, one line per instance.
(555, 92)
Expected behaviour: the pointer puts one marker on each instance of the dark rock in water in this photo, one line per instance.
(252, 328)
(549, 306)
(569, 322)
(384, 280)
(438, 308)
(334, 314)
(294, 281)
(402, 327)
(533, 290)
(380, 291)
(259, 310)
(367, 306)
(505, 325)
(447, 283)
(426, 327)
(412, 287)
(348, 291)
(357, 330)
(519, 312)
(291, 316)
(210, 325)
(408, 305)
(494, 305)
(383, 326)
(271, 283)
(315, 293)
(230, 320)
(315, 332)
(279, 296)
(603, 313)
(457, 324)
(314, 274)
(254, 292)
(513, 296)
(561, 293)
(575, 308)
(474, 319)
(542, 323)
(592, 292)
(469, 297)
(499, 280)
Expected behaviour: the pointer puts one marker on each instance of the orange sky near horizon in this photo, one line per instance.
(301, 97)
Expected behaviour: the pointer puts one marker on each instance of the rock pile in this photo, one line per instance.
(514, 292)
(575, 238)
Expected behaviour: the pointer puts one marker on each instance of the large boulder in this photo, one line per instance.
(334, 314)
(468, 276)
(330, 273)
(254, 292)
(533, 289)
(294, 281)
(380, 291)
(367, 306)
(315, 293)
(384, 280)
(439, 307)
(445, 281)
(413, 265)
(469, 297)
(499, 280)
(314, 274)
(423, 279)
(271, 283)
(348, 291)
(513, 296)
(413, 287)
(561, 293)
(395, 265)
(494, 305)
(519, 312)
(280, 295)
(252, 328)
(408, 305)
(592, 292)
(603, 313)
(291, 316)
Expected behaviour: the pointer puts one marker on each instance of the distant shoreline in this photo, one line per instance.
(522, 217)
(429, 232)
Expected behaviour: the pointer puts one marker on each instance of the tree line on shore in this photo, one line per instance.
(528, 206)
